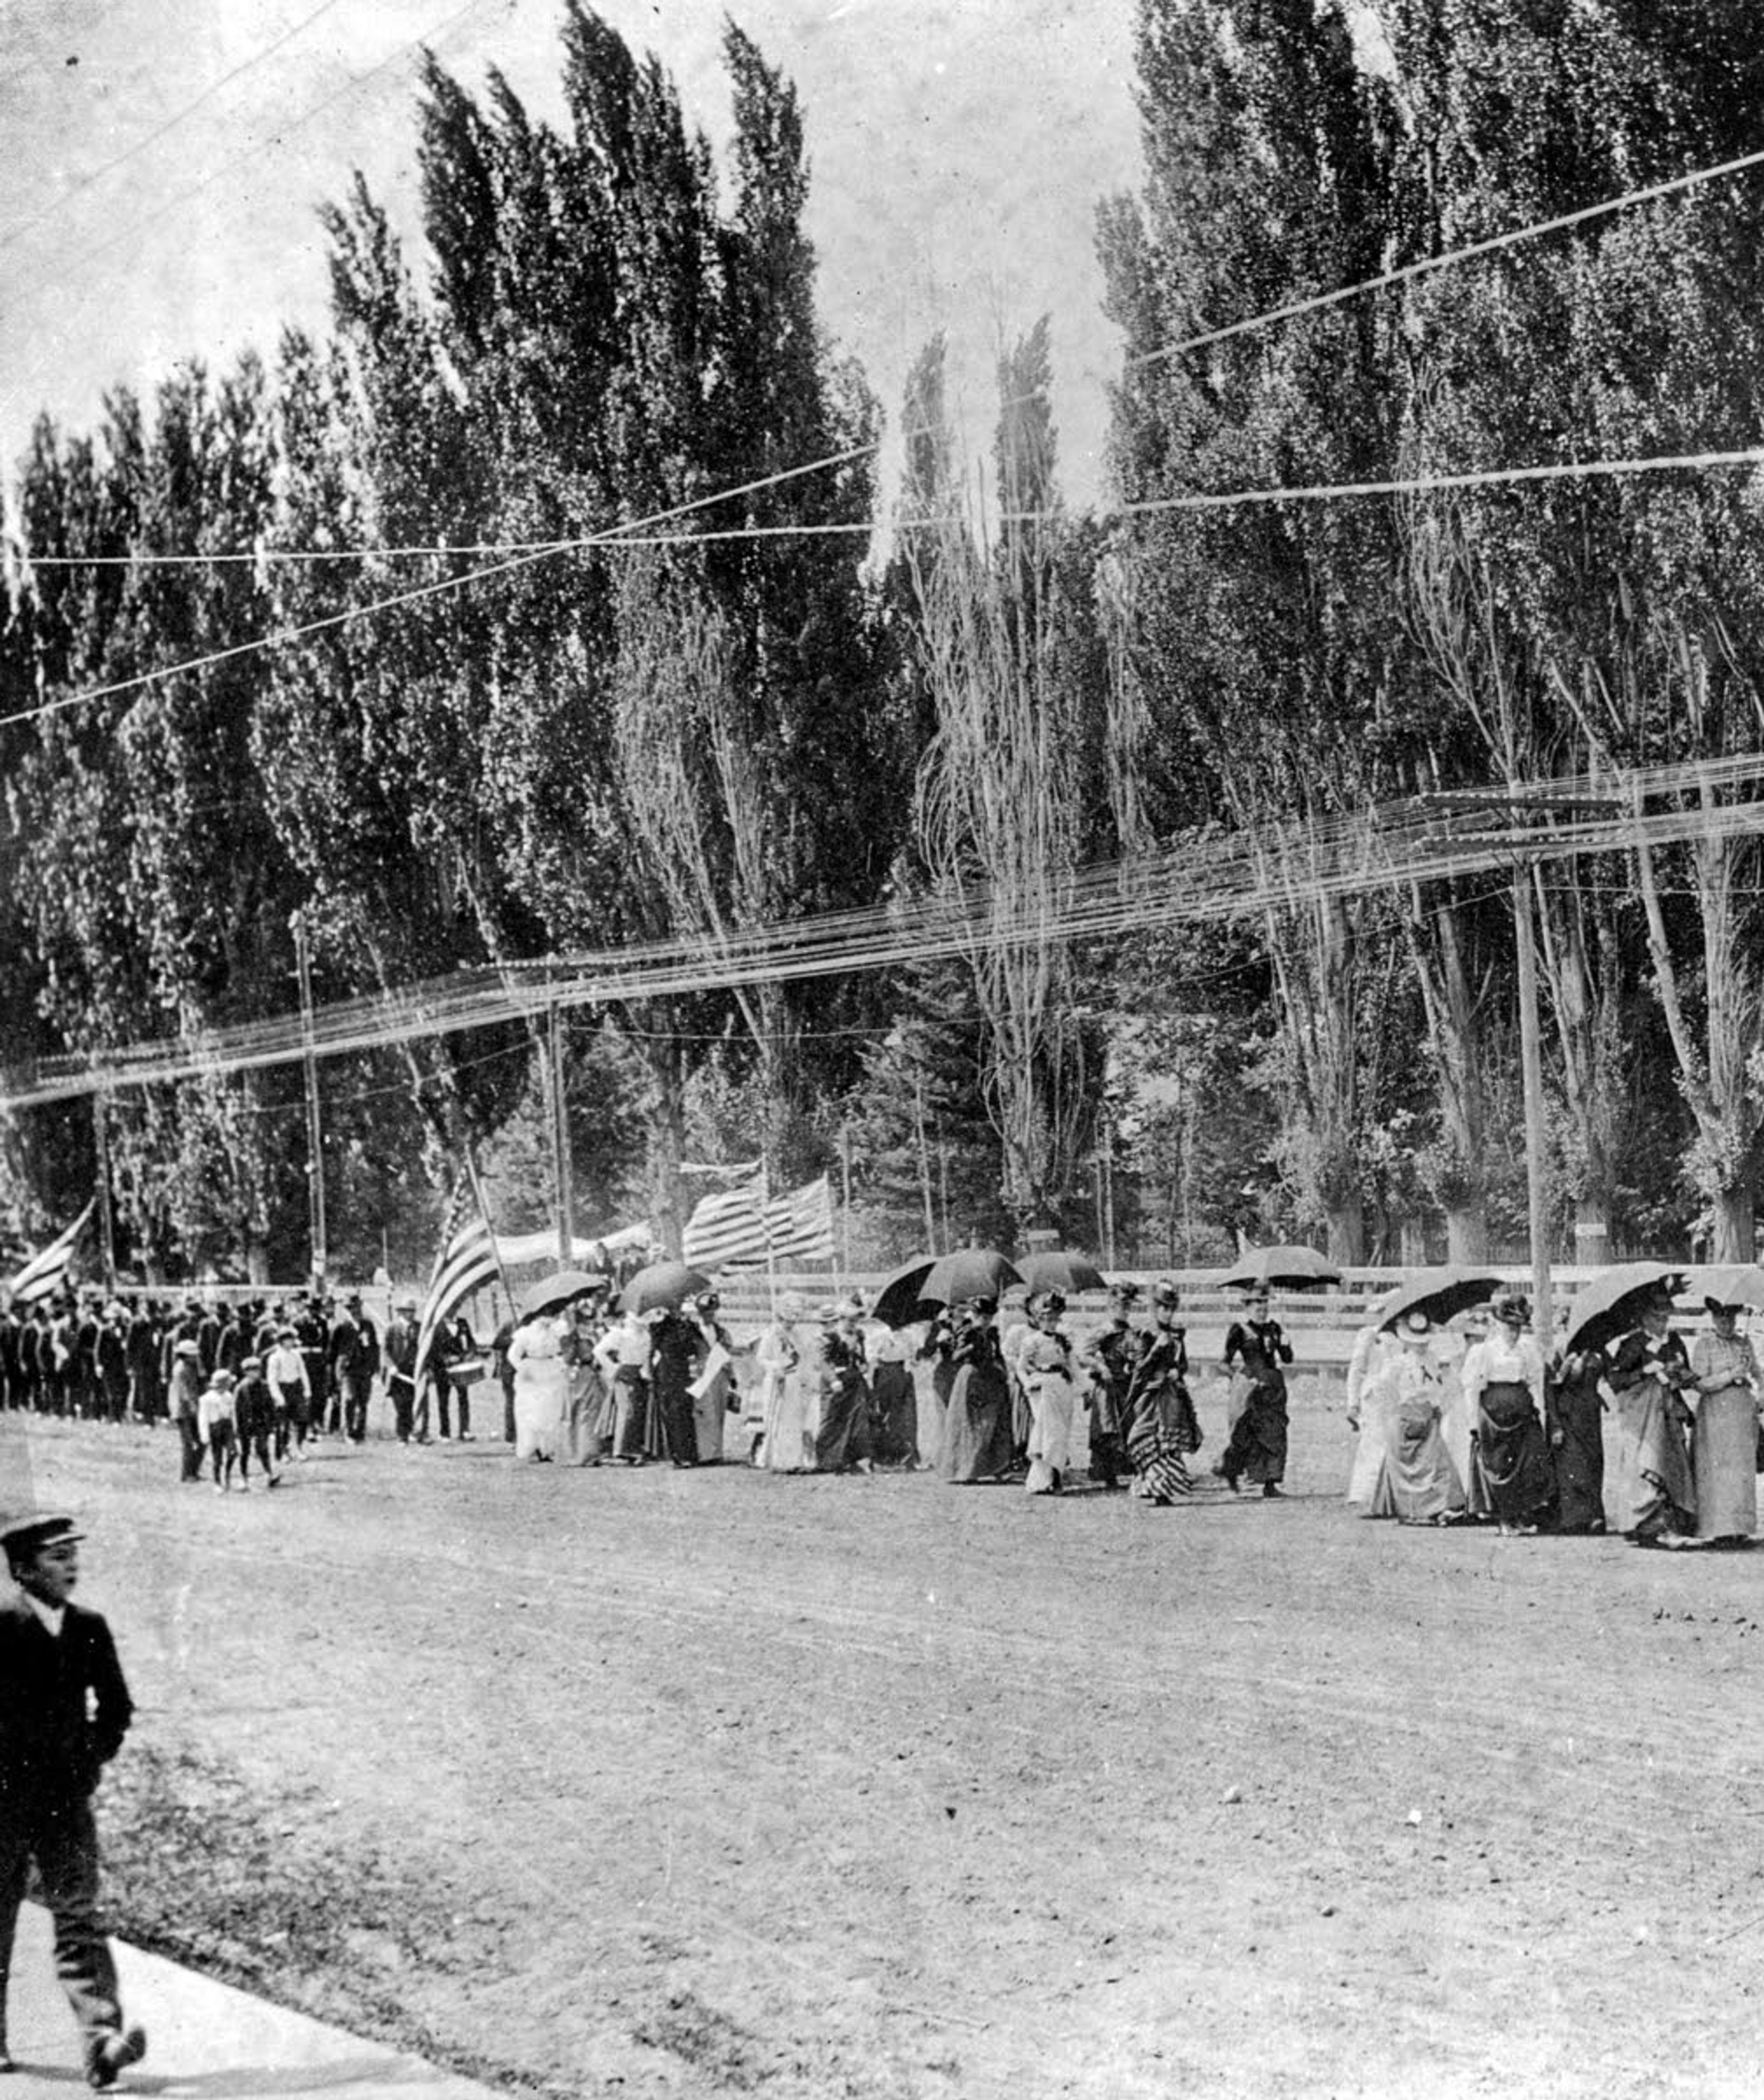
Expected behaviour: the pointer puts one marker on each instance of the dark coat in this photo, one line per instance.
(65, 1708)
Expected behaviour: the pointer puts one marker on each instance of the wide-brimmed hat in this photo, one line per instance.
(1125, 1292)
(1164, 1292)
(1414, 1326)
(186, 1348)
(1511, 1307)
(1048, 1301)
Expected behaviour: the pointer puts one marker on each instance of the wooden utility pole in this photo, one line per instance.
(560, 1139)
(107, 1229)
(315, 1128)
(844, 1198)
(1536, 1136)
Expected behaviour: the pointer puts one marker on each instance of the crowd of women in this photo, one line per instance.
(833, 1392)
(1638, 1437)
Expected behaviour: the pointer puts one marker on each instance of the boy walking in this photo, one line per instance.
(65, 1710)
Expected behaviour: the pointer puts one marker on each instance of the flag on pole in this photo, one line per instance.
(743, 1229)
(45, 1273)
(466, 1262)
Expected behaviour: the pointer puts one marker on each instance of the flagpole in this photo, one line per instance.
(107, 1233)
(484, 1213)
(765, 1226)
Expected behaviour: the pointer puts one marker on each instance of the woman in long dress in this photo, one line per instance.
(713, 1376)
(784, 1354)
(1256, 1350)
(842, 1417)
(1576, 1423)
(1503, 1381)
(623, 1354)
(1044, 1363)
(1416, 1481)
(1650, 1492)
(671, 1432)
(536, 1355)
(1724, 1442)
(579, 1438)
(1162, 1429)
(893, 1400)
(976, 1425)
(1373, 1346)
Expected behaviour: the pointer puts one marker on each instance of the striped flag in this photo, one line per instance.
(467, 1261)
(45, 1273)
(742, 1229)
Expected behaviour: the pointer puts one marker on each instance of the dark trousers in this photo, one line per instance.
(354, 1392)
(255, 1445)
(190, 1439)
(63, 1842)
(401, 1392)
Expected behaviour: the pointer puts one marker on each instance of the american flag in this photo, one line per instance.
(44, 1274)
(744, 1227)
(466, 1262)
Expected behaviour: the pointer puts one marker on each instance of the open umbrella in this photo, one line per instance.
(896, 1302)
(1739, 1283)
(1057, 1270)
(550, 1294)
(1612, 1303)
(662, 1283)
(1281, 1268)
(969, 1273)
(1439, 1293)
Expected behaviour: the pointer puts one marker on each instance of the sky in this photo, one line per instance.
(167, 159)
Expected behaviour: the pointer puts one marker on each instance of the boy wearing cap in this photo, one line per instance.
(253, 1423)
(215, 1419)
(65, 1710)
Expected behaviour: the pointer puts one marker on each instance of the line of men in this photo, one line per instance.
(97, 1361)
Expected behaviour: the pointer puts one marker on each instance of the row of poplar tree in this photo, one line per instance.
(687, 735)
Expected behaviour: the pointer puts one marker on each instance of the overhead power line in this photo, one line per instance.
(13, 234)
(1648, 195)
(1389, 846)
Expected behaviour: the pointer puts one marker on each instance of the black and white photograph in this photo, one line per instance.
(881, 1049)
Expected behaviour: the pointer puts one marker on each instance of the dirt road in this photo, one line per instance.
(682, 1783)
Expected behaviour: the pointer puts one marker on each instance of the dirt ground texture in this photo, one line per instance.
(662, 1783)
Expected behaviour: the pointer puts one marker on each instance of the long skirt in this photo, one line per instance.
(670, 1432)
(579, 1438)
(538, 1407)
(623, 1410)
(787, 1445)
(1366, 1489)
(1258, 1448)
(1107, 1434)
(1457, 1426)
(1416, 1481)
(976, 1427)
(1648, 1485)
(708, 1410)
(1513, 1455)
(893, 1414)
(1724, 1447)
(1160, 1465)
(842, 1427)
(1052, 1405)
(1577, 1415)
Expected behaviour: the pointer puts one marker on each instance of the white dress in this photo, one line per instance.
(536, 1355)
(1372, 1348)
(791, 1403)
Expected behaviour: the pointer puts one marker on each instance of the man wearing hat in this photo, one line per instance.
(64, 1711)
(354, 1357)
(401, 1349)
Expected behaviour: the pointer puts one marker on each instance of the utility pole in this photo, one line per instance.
(844, 1196)
(560, 1139)
(107, 1229)
(314, 1127)
(1536, 1136)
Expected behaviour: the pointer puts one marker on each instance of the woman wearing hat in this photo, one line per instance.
(1416, 1481)
(1110, 1360)
(784, 1354)
(1256, 1349)
(842, 1416)
(1162, 1429)
(1575, 1422)
(976, 1427)
(1650, 1492)
(536, 1355)
(1044, 1362)
(1724, 1442)
(1503, 1383)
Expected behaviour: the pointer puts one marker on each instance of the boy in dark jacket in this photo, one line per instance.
(65, 1710)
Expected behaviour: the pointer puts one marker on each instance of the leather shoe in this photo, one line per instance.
(115, 2053)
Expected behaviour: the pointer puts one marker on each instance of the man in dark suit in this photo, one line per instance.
(355, 1358)
(65, 1710)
